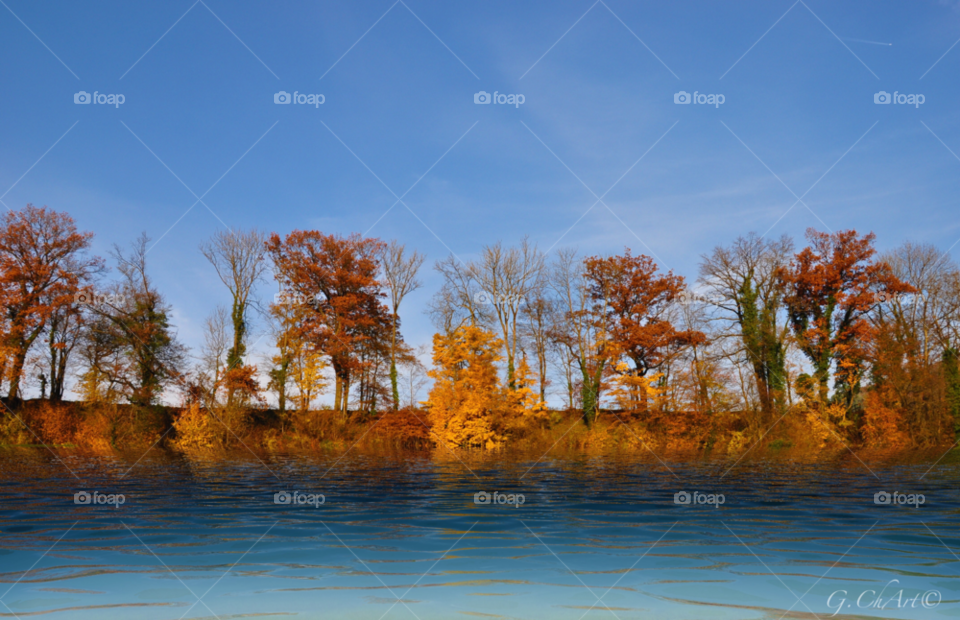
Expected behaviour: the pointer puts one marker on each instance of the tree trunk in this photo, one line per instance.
(590, 394)
(393, 384)
(338, 388)
(56, 384)
(822, 373)
(542, 363)
(393, 366)
(19, 357)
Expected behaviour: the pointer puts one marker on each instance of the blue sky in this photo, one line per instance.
(399, 119)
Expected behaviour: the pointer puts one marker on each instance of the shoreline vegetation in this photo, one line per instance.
(97, 429)
(769, 350)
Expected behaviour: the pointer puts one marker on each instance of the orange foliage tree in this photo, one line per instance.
(631, 303)
(466, 390)
(42, 268)
(336, 279)
(830, 287)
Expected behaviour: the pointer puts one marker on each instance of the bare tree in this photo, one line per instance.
(929, 317)
(400, 278)
(459, 299)
(414, 376)
(490, 292)
(64, 331)
(576, 332)
(214, 350)
(506, 276)
(539, 317)
(742, 280)
(238, 257)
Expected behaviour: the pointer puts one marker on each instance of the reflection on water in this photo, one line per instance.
(402, 537)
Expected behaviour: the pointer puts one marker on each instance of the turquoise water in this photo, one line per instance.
(593, 538)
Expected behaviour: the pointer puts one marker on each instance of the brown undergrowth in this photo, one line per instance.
(801, 434)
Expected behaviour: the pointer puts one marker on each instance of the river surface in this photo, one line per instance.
(404, 537)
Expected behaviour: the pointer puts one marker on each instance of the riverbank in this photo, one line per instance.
(106, 428)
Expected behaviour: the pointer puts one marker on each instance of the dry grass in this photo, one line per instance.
(800, 435)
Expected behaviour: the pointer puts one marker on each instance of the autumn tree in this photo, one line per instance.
(101, 360)
(829, 287)
(912, 354)
(400, 279)
(139, 352)
(631, 301)
(743, 285)
(306, 371)
(337, 278)
(466, 388)
(43, 265)
(285, 329)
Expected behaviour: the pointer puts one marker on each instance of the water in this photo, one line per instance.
(594, 538)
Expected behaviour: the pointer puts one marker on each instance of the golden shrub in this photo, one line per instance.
(196, 429)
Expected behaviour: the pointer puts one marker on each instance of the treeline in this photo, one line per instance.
(860, 346)
(863, 346)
